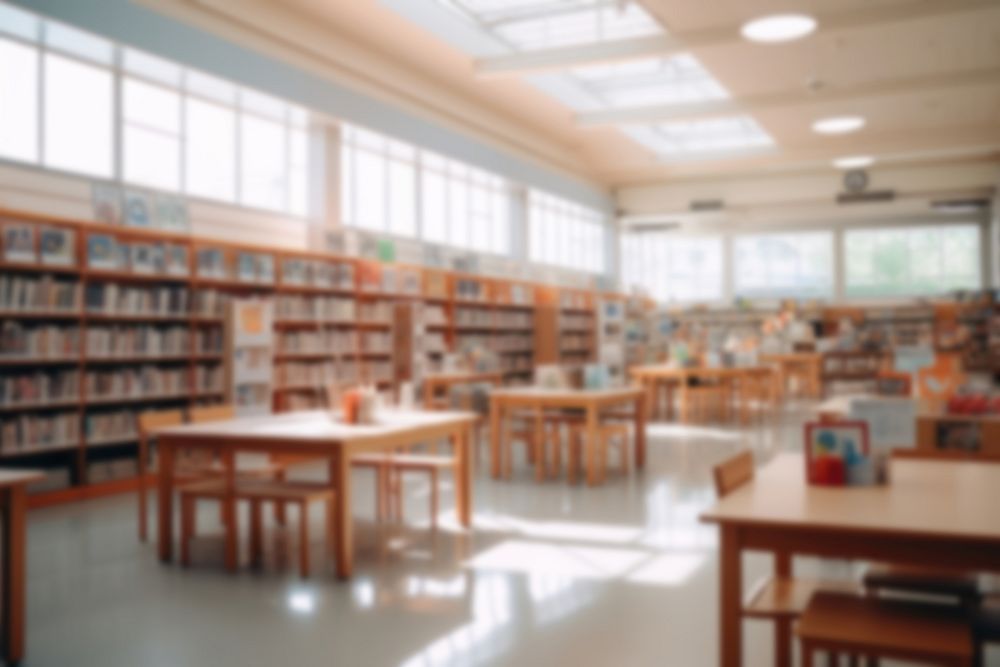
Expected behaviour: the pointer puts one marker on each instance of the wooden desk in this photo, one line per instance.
(436, 381)
(315, 435)
(590, 402)
(806, 365)
(650, 378)
(14, 500)
(933, 514)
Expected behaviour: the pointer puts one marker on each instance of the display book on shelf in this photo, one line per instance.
(250, 349)
(611, 337)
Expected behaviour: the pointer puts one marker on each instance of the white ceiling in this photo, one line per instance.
(924, 73)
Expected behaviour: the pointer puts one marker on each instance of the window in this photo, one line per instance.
(180, 130)
(564, 234)
(735, 134)
(18, 101)
(912, 260)
(389, 186)
(78, 117)
(673, 268)
(151, 116)
(798, 265)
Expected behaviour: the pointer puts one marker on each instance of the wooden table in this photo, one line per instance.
(806, 365)
(651, 377)
(933, 514)
(592, 402)
(436, 381)
(313, 434)
(14, 499)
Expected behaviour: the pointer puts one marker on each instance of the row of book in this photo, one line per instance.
(209, 340)
(127, 341)
(140, 382)
(516, 364)
(320, 308)
(111, 426)
(514, 342)
(376, 342)
(112, 298)
(210, 303)
(34, 342)
(317, 273)
(53, 246)
(106, 252)
(38, 293)
(473, 317)
(574, 300)
(32, 433)
(434, 343)
(39, 387)
(576, 322)
(379, 311)
(295, 374)
(389, 279)
(434, 315)
(575, 341)
(317, 342)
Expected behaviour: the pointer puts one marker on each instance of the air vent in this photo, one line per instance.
(707, 205)
(652, 227)
(958, 206)
(869, 197)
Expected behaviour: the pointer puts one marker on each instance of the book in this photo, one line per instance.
(171, 213)
(103, 252)
(137, 209)
(176, 260)
(265, 268)
(293, 272)
(246, 267)
(56, 246)
(106, 200)
(141, 258)
(158, 256)
(211, 263)
(19, 243)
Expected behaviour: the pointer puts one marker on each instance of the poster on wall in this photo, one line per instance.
(106, 200)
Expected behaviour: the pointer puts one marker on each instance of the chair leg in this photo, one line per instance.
(398, 494)
(807, 654)
(304, 539)
(331, 528)
(574, 456)
(434, 498)
(256, 534)
(188, 508)
(782, 643)
(280, 515)
(381, 492)
(556, 452)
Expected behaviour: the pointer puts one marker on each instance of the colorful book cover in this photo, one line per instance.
(171, 214)
(57, 246)
(293, 272)
(137, 209)
(19, 243)
(102, 252)
(246, 267)
(177, 260)
(106, 200)
(210, 264)
(265, 268)
(141, 258)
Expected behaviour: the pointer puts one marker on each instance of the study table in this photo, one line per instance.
(436, 381)
(591, 402)
(313, 434)
(807, 366)
(652, 377)
(14, 500)
(938, 513)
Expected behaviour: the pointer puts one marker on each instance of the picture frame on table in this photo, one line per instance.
(832, 448)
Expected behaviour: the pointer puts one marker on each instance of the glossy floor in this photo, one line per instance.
(552, 575)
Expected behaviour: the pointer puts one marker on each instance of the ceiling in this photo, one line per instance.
(925, 74)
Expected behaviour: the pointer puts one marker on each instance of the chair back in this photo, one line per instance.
(151, 420)
(211, 413)
(733, 473)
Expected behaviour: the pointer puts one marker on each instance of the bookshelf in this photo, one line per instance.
(110, 321)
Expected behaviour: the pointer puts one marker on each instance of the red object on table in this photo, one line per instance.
(829, 471)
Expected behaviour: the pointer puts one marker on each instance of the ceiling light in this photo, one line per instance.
(838, 124)
(778, 28)
(854, 162)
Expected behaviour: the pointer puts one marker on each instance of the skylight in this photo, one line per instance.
(526, 25)
(733, 135)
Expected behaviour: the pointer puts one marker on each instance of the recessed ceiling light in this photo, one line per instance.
(854, 162)
(838, 124)
(778, 28)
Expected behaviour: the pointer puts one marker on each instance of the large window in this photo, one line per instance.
(565, 234)
(912, 260)
(181, 131)
(674, 268)
(787, 265)
(389, 186)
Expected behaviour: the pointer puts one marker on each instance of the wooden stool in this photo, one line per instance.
(879, 628)
(617, 434)
(389, 478)
(257, 492)
(962, 587)
(783, 598)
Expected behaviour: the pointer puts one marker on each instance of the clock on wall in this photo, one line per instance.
(855, 180)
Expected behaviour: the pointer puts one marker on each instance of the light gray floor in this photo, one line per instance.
(552, 575)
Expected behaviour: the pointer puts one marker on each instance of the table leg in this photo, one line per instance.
(685, 407)
(164, 501)
(591, 446)
(495, 437)
(649, 387)
(782, 627)
(463, 477)
(540, 453)
(670, 400)
(640, 434)
(340, 477)
(229, 512)
(14, 547)
(143, 499)
(730, 602)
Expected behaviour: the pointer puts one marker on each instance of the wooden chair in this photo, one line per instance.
(878, 628)
(614, 434)
(258, 492)
(390, 469)
(149, 422)
(525, 430)
(782, 598)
